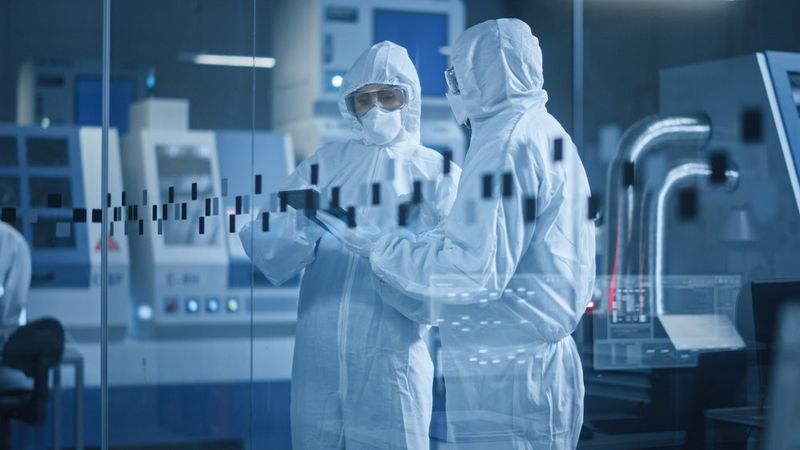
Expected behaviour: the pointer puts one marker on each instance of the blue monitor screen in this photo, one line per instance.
(424, 35)
(88, 104)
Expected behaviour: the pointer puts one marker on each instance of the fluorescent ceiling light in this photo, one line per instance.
(261, 62)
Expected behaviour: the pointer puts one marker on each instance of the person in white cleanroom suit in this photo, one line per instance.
(15, 281)
(362, 374)
(506, 282)
(15, 275)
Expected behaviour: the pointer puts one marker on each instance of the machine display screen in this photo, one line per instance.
(8, 151)
(10, 196)
(794, 82)
(698, 315)
(178, 167)
(48, 152)
(9, 191)
(51, 232)
(43, 187)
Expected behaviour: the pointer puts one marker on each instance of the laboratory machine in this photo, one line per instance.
(59, 92)
(194, 191)
(51, 192)
(307, 78)
(204, 324)
(177, 271)
(708, 187)
(702, 199)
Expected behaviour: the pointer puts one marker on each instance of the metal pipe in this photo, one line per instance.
(622, 206)
(654, 221)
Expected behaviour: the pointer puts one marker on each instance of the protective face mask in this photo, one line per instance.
(380, 127)
(457, 105)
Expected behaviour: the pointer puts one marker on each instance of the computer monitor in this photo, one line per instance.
(784, 71)
(425, 46)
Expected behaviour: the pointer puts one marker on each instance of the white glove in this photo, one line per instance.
(354, 239)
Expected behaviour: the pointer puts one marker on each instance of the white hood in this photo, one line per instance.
(498, 64)
(385, 63)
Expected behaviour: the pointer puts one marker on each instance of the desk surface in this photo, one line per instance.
(71, 355)
(753, 416)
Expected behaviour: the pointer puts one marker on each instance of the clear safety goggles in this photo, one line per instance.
(452, 81)
(390, 98)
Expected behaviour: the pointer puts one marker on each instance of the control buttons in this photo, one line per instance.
(171, 305)
(145, 312)
(212, 305)
(195, 305)
(192, 305)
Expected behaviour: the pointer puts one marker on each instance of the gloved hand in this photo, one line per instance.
(358, 240)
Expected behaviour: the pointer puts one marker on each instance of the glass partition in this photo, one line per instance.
(265, 269)
(182, 375)
(50, 274)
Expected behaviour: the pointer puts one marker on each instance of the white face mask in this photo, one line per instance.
(457, 105)
(381, 127)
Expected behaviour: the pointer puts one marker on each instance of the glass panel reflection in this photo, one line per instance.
(50, 175)
(182, 375)
(242, 318)
(185, 171)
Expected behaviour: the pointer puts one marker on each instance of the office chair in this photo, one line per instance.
(33, 349)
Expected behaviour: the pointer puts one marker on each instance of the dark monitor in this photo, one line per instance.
(784, 71)
(88, 104)
(425, 45)
(768, 299)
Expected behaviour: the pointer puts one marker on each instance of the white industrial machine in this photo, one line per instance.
(50, 191)
(194, 191)
(178, 269)
(311, 65)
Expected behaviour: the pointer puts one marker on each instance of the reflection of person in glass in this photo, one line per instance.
(362, 375)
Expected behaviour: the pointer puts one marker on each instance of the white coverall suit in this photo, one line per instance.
(506, 284)
(362, 374)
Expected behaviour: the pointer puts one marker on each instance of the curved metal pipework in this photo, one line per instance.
(622, 206)
(654, 221)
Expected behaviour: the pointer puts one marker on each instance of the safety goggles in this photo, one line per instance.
(452, 81)
(390, 98)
